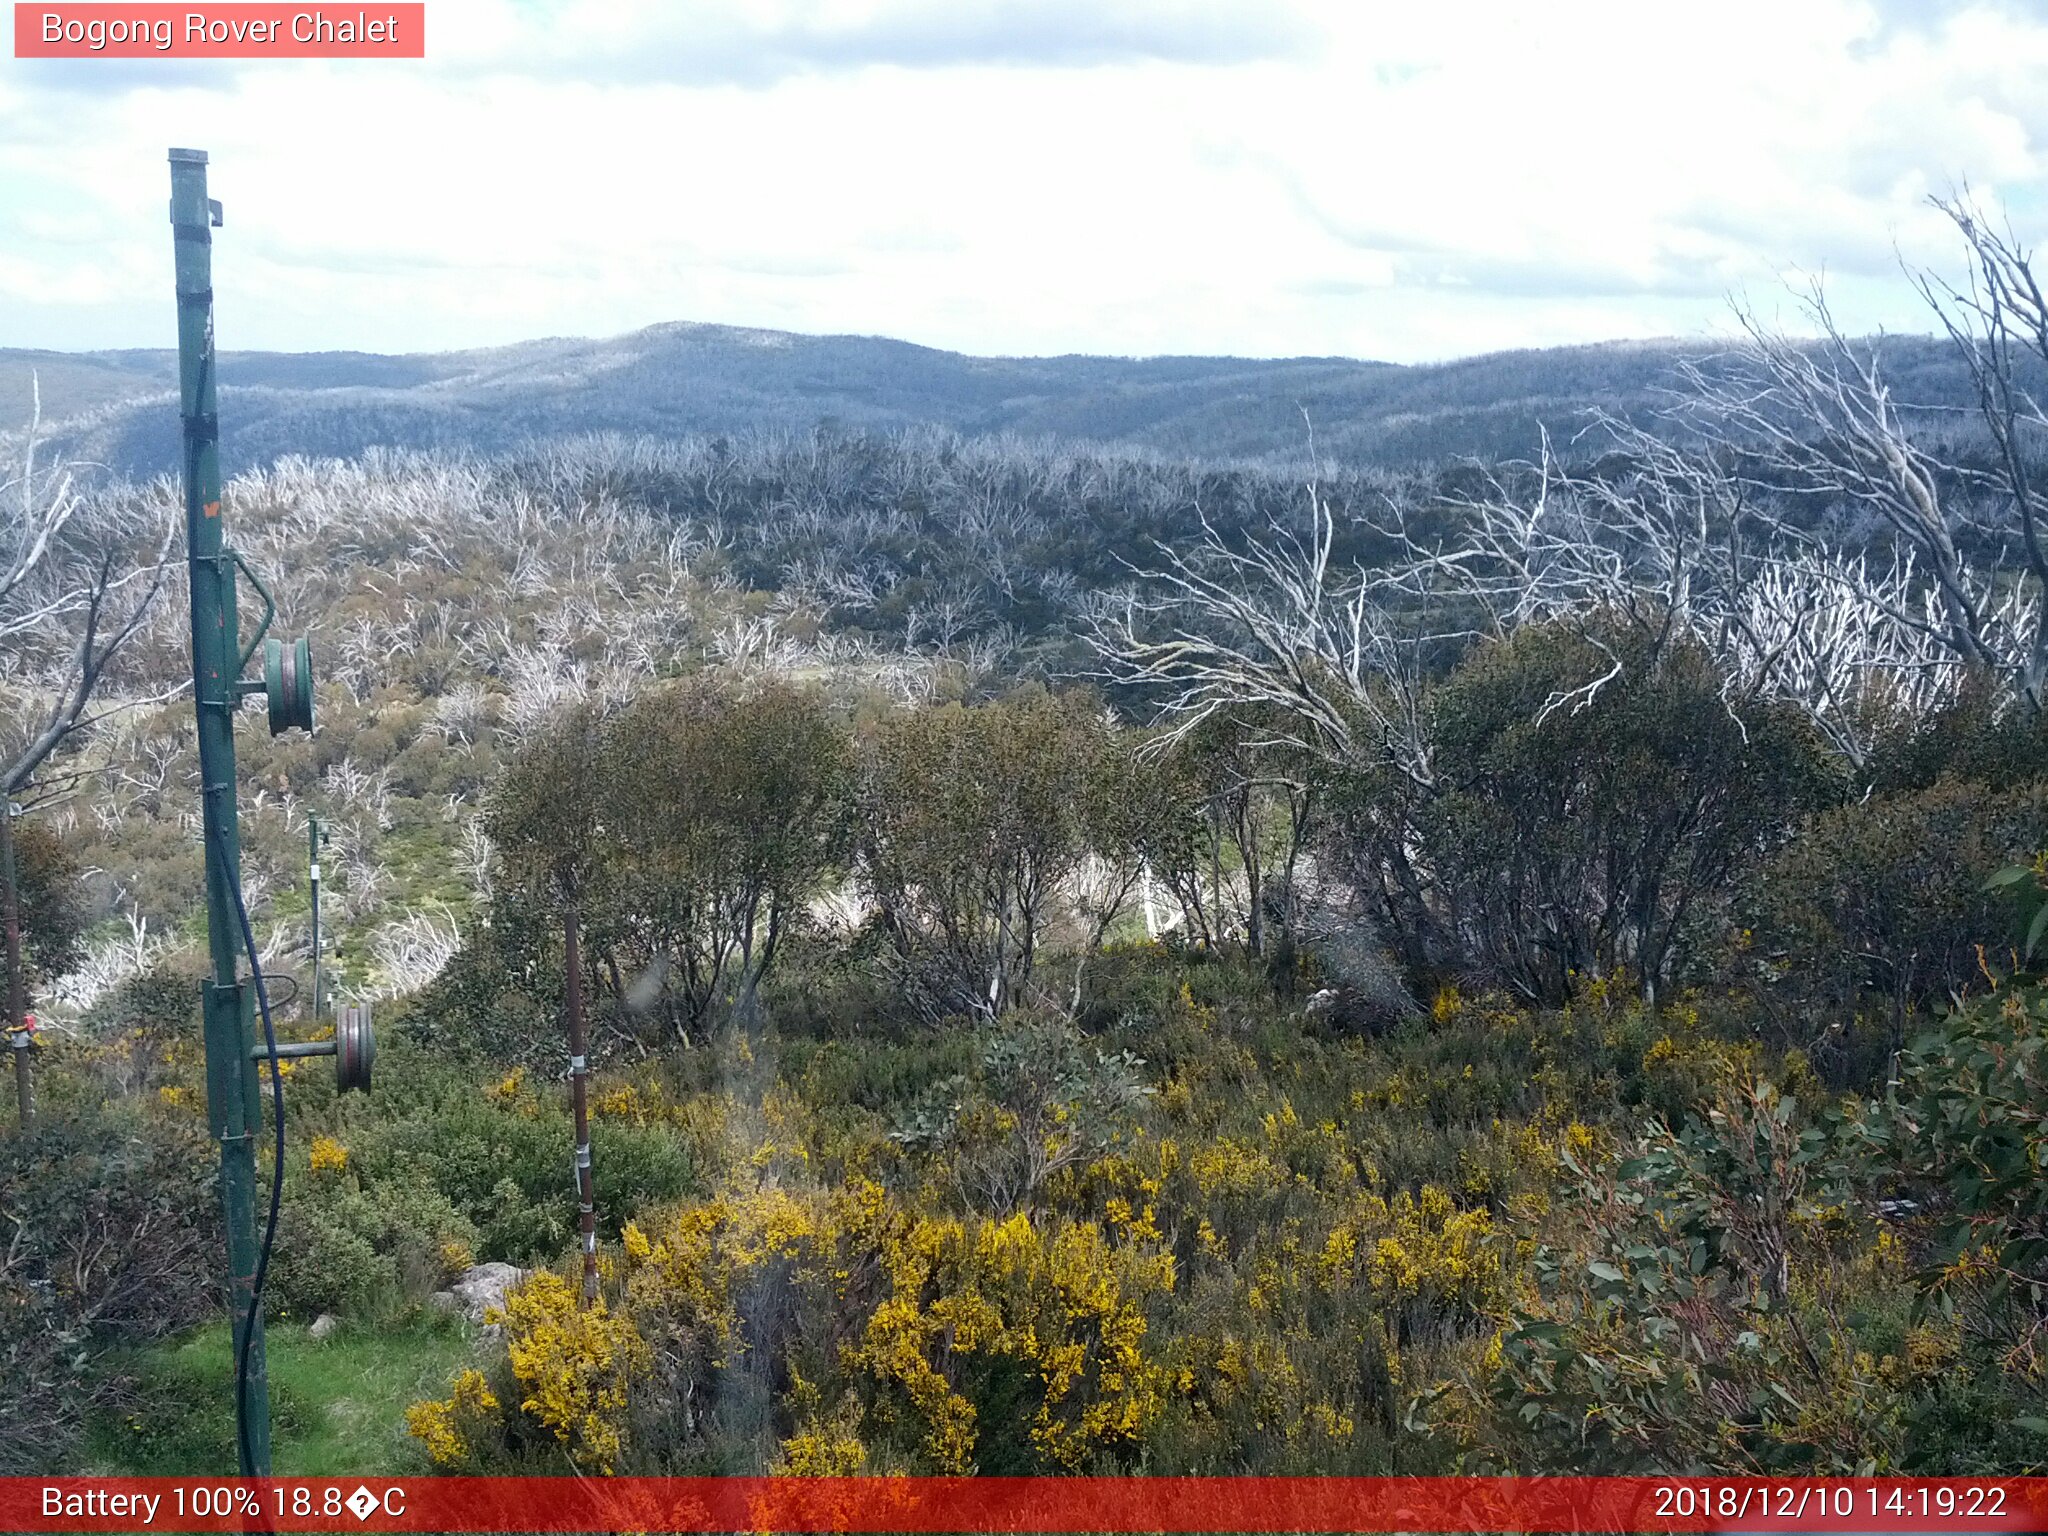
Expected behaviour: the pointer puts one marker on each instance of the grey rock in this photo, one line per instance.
(483, 1287)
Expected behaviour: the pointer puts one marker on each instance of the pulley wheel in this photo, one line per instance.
(355, 1048)
(288, 683)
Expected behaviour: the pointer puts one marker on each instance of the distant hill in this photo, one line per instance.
(119, 408)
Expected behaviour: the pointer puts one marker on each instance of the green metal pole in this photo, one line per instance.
(233, 1102)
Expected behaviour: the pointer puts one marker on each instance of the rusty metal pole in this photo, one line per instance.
(315, 835)
(17, 988)
(579, 1095)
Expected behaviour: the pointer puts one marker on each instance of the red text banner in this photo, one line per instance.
(224, 31)
(998, 1504)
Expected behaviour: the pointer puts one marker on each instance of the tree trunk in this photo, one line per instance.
(17, 988)
(1244, 817)
(1216, 862)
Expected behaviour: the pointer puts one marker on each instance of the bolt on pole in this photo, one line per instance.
(233, 1097)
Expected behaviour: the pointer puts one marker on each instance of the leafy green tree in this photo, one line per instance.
(546, 813)
(727, 805)
(1248, 807)
(971, 821)
(54, 914)
(1570, 833)
(1179, 840)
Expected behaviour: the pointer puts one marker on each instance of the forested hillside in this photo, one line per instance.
(119, 408)
(1096, 957)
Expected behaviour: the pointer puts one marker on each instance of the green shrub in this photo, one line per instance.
(1040, 1100)
(355, 1245)
(642, 1165)
(112, 1221)
(1971, 739)
(321, 1264)
(1667, 1335)
(1886, 899)
(1574, 832)
(1969, 1126)
(487, 1162)
(1732, 1295)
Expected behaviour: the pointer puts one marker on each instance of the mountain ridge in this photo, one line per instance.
(112, 407)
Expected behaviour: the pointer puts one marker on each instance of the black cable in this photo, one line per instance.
(248, 1330)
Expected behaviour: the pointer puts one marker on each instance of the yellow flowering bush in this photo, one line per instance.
(576, 1366)
(1432, 1252)
(455, 1256)
(623, 1102)
(1059, 1299)
(452, 1429)
(696, 1269)
(931, 1311)
(824, 1445)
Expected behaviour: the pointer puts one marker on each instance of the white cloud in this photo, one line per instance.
(1063, 175)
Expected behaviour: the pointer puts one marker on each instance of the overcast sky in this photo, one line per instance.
(1388, 179)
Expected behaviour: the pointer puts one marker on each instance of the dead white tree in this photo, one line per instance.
(1816, 424)
(1641, 541)
(1677, 542)
(1815, 628)
(1998, 320)
(1271, 623)
(413, 950)
(77, 580)
(109, 961)
(1743, 524)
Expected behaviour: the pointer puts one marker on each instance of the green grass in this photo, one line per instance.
(337, 1407)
